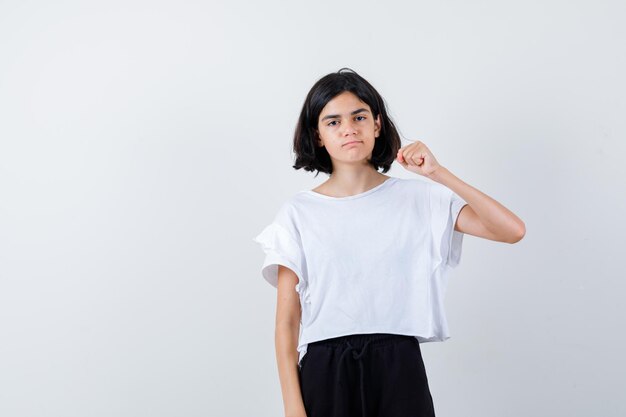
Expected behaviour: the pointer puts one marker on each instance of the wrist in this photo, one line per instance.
(437, 174)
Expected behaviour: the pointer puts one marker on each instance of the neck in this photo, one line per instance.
(353, 180)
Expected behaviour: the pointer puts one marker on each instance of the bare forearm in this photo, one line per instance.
(286, 340)
(495, 217)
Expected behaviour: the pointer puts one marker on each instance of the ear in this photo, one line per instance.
(319, 139)
(377, 125)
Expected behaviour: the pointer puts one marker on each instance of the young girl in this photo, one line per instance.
(361, 262)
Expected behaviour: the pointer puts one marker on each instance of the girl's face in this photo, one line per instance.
(347, 128)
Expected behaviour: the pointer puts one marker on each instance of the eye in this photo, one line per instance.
(330, 124)
(363, 117)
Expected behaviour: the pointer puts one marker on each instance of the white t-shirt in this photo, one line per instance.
(374, 262)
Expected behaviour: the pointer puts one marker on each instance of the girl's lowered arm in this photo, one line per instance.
(286, 340)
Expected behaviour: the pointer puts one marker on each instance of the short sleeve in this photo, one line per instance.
(447, 243)
(281, 248)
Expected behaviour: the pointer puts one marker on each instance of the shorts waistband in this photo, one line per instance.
(359, 340)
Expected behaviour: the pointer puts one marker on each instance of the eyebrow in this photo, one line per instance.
(333, 116)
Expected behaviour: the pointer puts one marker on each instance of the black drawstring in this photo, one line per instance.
(357, 356)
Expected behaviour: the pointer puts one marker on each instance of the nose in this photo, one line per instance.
(349, 129)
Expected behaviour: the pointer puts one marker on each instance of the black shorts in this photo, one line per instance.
(365, 375)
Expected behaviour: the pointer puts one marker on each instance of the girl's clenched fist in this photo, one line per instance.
(417, 158)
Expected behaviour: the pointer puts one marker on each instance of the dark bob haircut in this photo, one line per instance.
(314, 158)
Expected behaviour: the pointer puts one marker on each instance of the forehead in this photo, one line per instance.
(345, 102)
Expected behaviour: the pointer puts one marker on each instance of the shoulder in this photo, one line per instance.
(285, 210)
(426, 193)
(413, 185)
(289, 214)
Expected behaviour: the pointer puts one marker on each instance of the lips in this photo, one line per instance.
(352, 141)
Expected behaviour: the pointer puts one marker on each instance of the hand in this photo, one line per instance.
(417, 158)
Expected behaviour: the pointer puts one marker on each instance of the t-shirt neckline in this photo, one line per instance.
(350, 197)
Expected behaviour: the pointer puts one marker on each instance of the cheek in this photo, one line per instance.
(324, 134)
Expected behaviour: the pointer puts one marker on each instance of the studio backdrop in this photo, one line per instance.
(144, 144)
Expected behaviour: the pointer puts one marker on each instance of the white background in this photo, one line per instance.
(144, 143)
